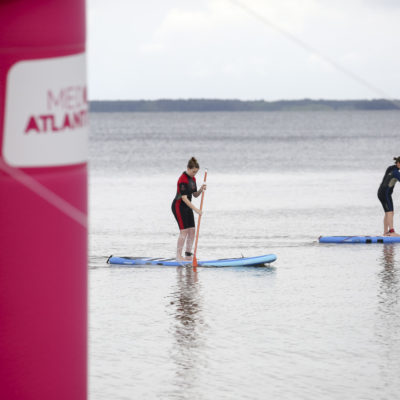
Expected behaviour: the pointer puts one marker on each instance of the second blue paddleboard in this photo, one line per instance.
(359, 239)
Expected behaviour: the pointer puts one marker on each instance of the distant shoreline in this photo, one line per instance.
(215, 105)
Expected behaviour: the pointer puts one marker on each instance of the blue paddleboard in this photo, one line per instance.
(171, 262)
(359, 239)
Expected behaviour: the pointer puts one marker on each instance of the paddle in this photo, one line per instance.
(198, 225)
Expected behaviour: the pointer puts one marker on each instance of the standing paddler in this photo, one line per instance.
(392, 175)
(183, 208)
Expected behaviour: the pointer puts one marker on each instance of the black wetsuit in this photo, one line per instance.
(392, 175)
(183, 214)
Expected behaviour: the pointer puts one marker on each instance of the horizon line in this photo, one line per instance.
(244, 100)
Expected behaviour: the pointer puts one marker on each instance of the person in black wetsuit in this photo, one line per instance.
(392, 175)
(182, 208)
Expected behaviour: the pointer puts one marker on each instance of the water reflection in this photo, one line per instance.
(389, 279)
(186, 309)
(388, 323)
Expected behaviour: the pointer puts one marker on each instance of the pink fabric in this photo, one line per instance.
(43, 251)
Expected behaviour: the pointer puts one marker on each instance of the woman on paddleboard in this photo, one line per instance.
(392, 175)
(183, 208)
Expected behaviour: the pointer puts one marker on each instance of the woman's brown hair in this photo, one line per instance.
(192, 163)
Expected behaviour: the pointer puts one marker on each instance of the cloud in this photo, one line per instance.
(382, 4)
(217, 48)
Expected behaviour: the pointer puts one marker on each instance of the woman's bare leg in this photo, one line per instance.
(189, 241)
(388, 223)
(181, 241)
(385, 224)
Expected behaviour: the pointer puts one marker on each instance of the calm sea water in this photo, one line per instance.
(322, 322)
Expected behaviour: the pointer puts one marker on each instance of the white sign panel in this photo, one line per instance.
(46, 116)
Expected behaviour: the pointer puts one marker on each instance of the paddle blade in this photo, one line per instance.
(194, 262)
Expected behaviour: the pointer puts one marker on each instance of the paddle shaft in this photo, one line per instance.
(198, 224)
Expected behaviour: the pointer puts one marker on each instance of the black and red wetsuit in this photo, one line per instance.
(184, 214)
(392, 175)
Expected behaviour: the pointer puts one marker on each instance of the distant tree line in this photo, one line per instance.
(202, 105)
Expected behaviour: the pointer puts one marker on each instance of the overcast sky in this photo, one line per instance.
(243, 49)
